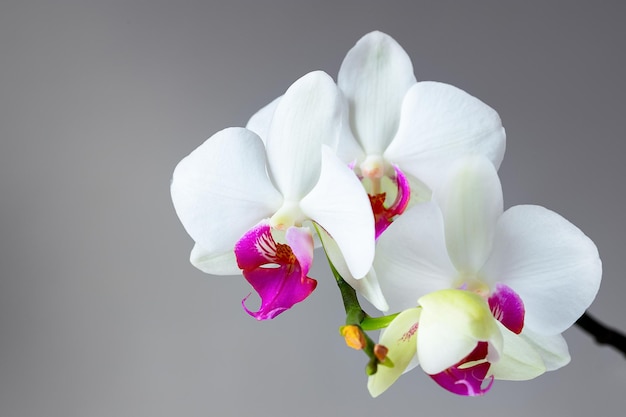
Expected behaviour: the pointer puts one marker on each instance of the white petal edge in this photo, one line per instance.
(260, 121)
(400, 338)
(375, 75)
(368, 286)
(305, 117)
(411, 257)
(550, 263)
(470, 199)
(553, 349)
(338, 203)
(519, 361)
(440, 123)
(214, 264)
(346, 146)
(221, 189)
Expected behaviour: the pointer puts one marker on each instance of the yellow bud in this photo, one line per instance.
(353, 336)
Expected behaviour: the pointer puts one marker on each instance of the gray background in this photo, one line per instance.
(100, 312)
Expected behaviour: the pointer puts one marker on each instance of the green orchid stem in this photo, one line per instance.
(377, 323)
(355, 316)
(354, 313)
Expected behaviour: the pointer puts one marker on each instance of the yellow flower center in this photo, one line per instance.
(473, 284)
(288, 215)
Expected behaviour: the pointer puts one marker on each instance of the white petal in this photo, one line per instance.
(451, 325)
(307, 115)
(367, 286)
(221, 189)
(553, 349)
(260, 121)
(214, 264)
(338, 203)
(440, 123)
(420, 193)
(346, 146)
(470, 199)
(375, 75)
(400, 338)
(549, 263)
(411, 258)
(519, 361)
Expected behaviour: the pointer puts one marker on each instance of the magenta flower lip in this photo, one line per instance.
(468, 381)
(276, 271)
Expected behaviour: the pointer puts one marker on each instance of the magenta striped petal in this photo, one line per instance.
(507, 307)
(276, 271)
(384, 216)
(467, 381)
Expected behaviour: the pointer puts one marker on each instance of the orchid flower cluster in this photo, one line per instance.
(397, 180)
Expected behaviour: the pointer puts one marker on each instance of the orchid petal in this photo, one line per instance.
(440, 123)
(307, 115)
(368, 286)
(346, 147)
(375, 75)
(277, 272)
(519, 361)
(549, 263)
(300, 240)
(470, 199)
(553, 348)
(411, 259)
(339, 204)
(451, 324)
(400, 338)
(221, 189)
(467, 377)
(260, 121)
(214, 264)
(507, 307)
(420, 193)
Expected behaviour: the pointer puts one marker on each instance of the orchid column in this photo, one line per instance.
(248, 202)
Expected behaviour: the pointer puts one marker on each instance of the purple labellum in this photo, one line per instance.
(467, 380)
(276, 271)
(384, 216)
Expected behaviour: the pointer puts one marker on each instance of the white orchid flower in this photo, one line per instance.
(494, 290)
(247, 202)
(400, 135)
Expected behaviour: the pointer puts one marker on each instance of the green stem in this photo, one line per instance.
(355, 315)
(377, 323)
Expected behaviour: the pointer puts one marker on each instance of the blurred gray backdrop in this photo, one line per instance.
(101, 315)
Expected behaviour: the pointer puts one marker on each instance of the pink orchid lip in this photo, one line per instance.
(467, 380)
(276, 271)
(507, 307)
(384, 216)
